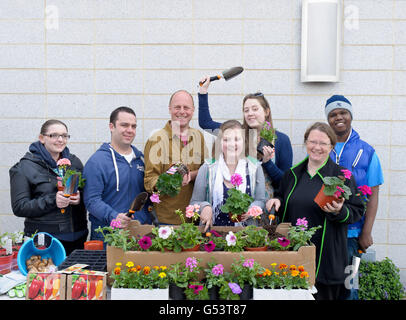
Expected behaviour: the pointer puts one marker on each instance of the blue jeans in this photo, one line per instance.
(352, 249)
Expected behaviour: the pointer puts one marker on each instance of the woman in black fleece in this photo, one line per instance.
(294, 199)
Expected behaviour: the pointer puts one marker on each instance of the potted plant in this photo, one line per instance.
(214, 241)
(215, 278)
(164, 238)
(187, 237)
(245, 271)
(170, 182)
(137, 283)
(68, 180)
(180, 275)
(267, 137)
(237, 202)
(230, 290)
(115, 236)
(379, 280)
(283, 282)
(300, 235)
(255, 239)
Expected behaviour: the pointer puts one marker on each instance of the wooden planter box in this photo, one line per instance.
(305, 256)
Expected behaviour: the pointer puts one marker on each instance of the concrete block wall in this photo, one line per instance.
(78, 60)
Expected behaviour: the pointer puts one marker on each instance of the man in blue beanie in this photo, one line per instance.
(361, 159)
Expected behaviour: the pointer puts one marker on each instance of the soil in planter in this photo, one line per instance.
(272, 234)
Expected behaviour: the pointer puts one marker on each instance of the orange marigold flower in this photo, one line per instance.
(146, 270)
(138, 267)
(292, 267)
(300, 268)
(282, 266)
(117, 270)
(304, 274)
(295, 273)
(267, 272)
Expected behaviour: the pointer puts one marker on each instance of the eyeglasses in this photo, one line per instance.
(55, 136)
(315, 143)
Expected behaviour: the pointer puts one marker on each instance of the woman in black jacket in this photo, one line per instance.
(294, 199)
(34, 192)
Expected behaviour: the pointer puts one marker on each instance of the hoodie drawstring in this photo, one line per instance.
(115, 168)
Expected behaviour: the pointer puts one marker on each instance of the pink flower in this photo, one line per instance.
(236, 179)
(365, 190)
(217, 270)
(191, 263)
(347, 173)
(63, 162)
(283, 241)
(303, 223)
(190, 211)
(155, 198)
(255, 211)
(196, 288)
(249, 263)
(339, 192)
(115, 224)
(145, 242)
(209, 247)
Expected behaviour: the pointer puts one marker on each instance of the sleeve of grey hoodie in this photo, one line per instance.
(259, 197)
(199, 189)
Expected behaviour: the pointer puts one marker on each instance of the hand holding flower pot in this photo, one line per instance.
(267, 137)
(237, 202)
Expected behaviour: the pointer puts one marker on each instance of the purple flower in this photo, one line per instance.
(283, 241)
(145, 242)
(235, 288)
(217, 270)
(236, 179)
(209, 247)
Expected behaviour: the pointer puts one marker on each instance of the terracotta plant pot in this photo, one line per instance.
(195, 248)
(238, 219)
(322, 199)
(93, 245)
(264, 248)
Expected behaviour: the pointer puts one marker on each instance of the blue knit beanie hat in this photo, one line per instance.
(336, 102)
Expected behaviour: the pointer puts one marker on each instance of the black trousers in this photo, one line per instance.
(330, 291)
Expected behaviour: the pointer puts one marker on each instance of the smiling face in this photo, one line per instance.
(318, 146)
(123, 130)
(340, 121)
(254, 113)
(54, 139)
(232, 144)
(181, 109)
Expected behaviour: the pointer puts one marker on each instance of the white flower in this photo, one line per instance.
(164, 232)
(231, 239)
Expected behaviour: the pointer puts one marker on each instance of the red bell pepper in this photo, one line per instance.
(35, 287)
(78, 287)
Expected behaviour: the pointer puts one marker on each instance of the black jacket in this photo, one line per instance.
(331, 239)
(33, 187)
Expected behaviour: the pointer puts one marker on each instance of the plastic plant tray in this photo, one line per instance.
(96, 259)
